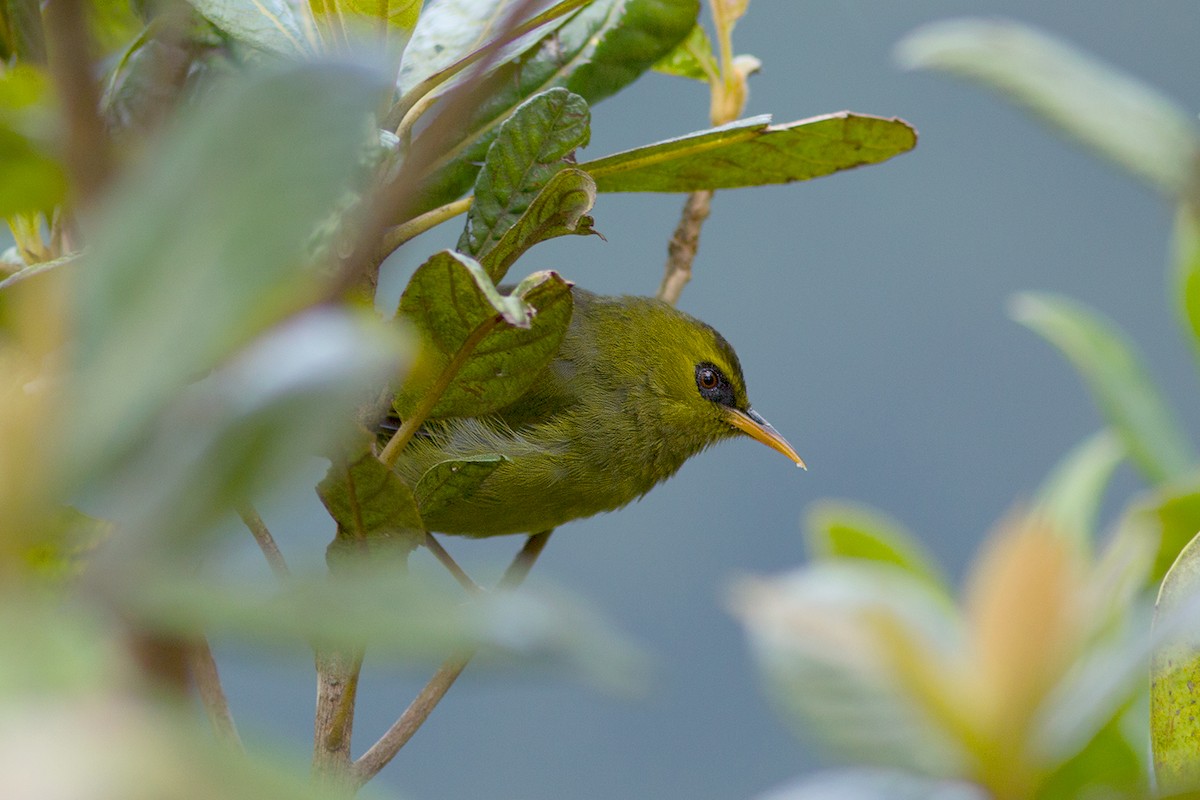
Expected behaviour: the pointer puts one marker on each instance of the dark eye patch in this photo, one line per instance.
(713, 384)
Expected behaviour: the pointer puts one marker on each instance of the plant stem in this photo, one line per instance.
(266, 542)
(397, 235)
(384, 750)
(333, 723)
(681, 250)
(212, 696)
(451, 565)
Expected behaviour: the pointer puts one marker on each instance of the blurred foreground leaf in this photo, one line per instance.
(1071, 495)
(34, 180)
(1175, 680)
(874, 784)
(208, 244)
(1123, 119)
(1186, 257)
(753, 152)
(812, 633)
(251, 424)
(494, 344)
(1119, 384)
(269, 26)
(842, 530)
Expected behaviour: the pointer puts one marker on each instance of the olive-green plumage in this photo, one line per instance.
(636, 389)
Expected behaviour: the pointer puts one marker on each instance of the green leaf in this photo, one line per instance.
(1118, 382)
(207, 244)
(496, 344)
(692, 58)
(1121, 118)
(33, 179)
(384, 24)
(844, 531)
(1071, 495)
(560, 209)
(814, 634)
(528, 150)
(270, 26)
(1175, 680)
(25, 37)
(867, 783)
(595, 52)
(1186, 257)
(368, 500)
(752, 152)
(448, 482)
(1109, 766)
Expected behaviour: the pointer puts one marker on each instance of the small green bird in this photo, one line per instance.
(636, 389)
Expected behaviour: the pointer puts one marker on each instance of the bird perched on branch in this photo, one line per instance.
(636, 389)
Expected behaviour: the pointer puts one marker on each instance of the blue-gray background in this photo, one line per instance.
(869, 312)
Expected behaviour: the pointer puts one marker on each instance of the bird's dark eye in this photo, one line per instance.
(713, 384)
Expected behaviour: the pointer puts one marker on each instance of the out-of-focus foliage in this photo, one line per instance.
(1036, 685)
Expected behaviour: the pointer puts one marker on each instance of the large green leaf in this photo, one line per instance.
(1120, 117)
(594, 53)
(495, 344)
(753, 152)
(1119, 383)
(560, 209)
(208, 243)
(844, 531)
(1175, 679)
(692, 58)
(528, 150)
(270, 26)
(1071, 495)
(451, 481)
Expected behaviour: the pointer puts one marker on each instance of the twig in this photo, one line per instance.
(451, 565)
(212, 695)
(397, 235)
(266, 542)
(333, 722)
(384, 750)
(88, 156)
(681, 251)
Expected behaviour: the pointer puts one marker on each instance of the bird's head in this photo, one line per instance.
(700, 377)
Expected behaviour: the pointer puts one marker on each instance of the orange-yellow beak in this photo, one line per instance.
(751, 423)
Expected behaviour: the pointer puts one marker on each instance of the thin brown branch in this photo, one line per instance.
(451, 565)
(681, 251)
(212, 696)
(88, 153)
(266, 542)
(384, 750)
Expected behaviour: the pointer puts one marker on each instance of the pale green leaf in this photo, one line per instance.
(560, 209)
(34, 180)
(367, 500)
(1118, 382)
(270, 26)
(836, 530)
(1186, 258)
(753, 152)
(1071, 495)
(813, 633)
(1120, 117)
(530, 147)
(870, 783)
